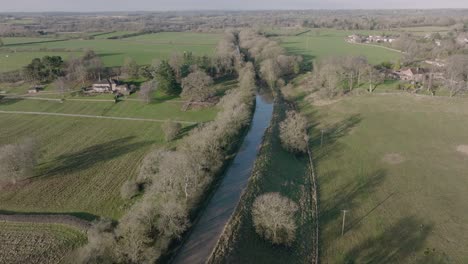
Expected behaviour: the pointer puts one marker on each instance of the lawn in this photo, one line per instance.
(392, 162)
(319, 44)
(144, 49)
(37, 243)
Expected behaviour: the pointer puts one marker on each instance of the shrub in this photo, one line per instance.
(171, 130)
(17, 161)
(129, 189)
(273, 217)
(293, 132)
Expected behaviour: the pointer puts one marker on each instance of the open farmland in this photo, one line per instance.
(320, 44)
(37, 243)
(84, 161)
(397, 163)
(144, 49)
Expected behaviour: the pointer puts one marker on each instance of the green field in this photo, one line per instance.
(392, 161)
(37, 243)
(320, 44)
(144, 49)
(84, 161)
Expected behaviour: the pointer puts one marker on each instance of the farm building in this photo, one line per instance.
(35, 89)
(412, 74)
(110, 86)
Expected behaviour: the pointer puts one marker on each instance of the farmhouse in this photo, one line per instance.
(110, 86)
(412, 74)
(35, 89)
(369, 39)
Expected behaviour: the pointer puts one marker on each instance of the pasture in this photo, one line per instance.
(37, 243)
(322, 43)
(144, 49)
(397, 163)
(84, 161)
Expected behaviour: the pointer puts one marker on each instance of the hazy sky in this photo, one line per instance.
(161, 5)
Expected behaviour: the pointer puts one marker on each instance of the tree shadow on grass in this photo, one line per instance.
(90, 156)
(329, 142)
(395, 245)
(347, 197)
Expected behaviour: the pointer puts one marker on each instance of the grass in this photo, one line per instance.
(144, 49)
(10, 61)
(37, 243)
(320, 44)
(85, 161)
(276, 170)
(405, 210)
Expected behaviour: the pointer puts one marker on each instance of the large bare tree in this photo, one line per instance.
(273, 217)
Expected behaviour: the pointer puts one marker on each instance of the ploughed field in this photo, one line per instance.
(398, 164)
(37, 243)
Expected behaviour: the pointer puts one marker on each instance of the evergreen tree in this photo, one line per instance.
(166, 79)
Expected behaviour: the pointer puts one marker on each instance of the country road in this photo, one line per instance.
(95, 116)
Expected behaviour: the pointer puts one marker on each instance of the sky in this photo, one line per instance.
(164, 5)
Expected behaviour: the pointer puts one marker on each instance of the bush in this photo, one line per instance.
(171, 130)
(273, 217)
(129, 189)
(17, 161)
(293, 132)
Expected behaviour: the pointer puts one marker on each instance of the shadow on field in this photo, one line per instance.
(81, 215)
(9, 101)
(328, 143)
(90, 156)
(347, 197)
(395, 245)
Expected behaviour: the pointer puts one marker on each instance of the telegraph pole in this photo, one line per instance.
(344, 219)
(321, 137)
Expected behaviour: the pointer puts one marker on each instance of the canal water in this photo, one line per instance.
(206, 231)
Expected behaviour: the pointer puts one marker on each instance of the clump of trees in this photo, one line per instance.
(456, 74)
(293, 132)
(274, 218)
(197, 87)
(171, 130)
(269, 56)
(42, 70)
(17, 160)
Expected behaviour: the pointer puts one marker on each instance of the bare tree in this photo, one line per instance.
(171, 130)
(196, 86)
(130, 68)
(270, 71)
(61, 85)
(293, 132)
(17, 161)
(456, 72)
(146, 91)
(273, 217)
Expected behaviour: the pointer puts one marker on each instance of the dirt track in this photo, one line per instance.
(94, 116)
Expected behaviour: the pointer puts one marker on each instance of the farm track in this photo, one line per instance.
(95, 116)
(47, 219)
(378, 46)
(80, 100)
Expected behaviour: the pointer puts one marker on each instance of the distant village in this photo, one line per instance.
(370, 39)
